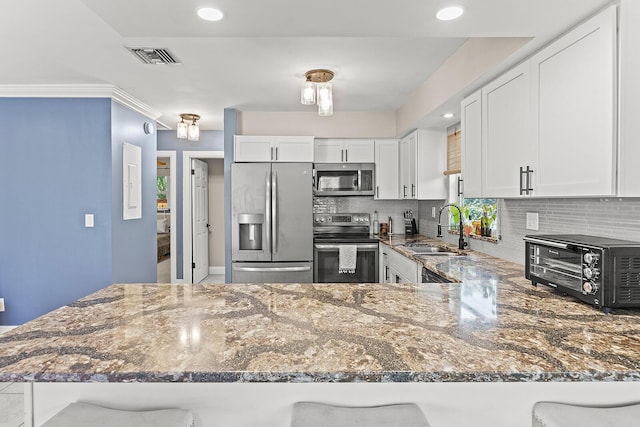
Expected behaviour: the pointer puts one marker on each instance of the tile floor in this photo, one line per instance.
(11, 405)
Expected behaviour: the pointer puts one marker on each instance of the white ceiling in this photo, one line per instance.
(255, 58)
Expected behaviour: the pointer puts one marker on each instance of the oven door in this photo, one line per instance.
(326, 262)
(555, 265)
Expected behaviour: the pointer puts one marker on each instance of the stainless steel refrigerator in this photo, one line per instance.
(272, 222)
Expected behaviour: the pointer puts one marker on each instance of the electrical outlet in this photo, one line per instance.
(532, 221)
(433, 211)
(1, 304)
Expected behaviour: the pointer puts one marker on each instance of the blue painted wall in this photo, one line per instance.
(133, 241)
(56, 166)
(61, 159)
(210, 140)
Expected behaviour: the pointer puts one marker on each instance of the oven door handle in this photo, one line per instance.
(359, 246)
(270, 269)
(548, 243)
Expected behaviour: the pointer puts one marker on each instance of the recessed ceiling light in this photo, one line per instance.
(210, 14)
(447, 115)
(449, 13)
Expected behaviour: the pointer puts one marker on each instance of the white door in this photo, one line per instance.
(200, 219)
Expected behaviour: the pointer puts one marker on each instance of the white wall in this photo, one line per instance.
(342, 124)
(216, 212)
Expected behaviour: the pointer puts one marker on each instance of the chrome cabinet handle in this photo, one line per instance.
(276, 153)
(529, 171)
(413, 193)
(346, 155)
(404, 191)
(460, 186)
(341, 155)
(271, 153)
(522, 190)
(377, 191)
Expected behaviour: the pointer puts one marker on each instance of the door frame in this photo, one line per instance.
(187, 237)
(173, 225)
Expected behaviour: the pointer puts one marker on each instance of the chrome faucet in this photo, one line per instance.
(461, 243)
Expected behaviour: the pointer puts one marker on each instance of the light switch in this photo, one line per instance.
(88, 220)
(532, 221)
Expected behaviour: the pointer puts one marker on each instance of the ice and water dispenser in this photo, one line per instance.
(250, 230)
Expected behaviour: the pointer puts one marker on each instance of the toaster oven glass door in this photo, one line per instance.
(557, 266)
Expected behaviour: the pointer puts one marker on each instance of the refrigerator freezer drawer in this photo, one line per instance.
(272, 272)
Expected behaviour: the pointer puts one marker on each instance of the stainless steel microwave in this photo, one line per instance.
(343, 179)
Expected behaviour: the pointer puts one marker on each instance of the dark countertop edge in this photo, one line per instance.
(325, 377)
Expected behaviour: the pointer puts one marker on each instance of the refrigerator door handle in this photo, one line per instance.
(270, 269)
(267, 209)
(274, 212)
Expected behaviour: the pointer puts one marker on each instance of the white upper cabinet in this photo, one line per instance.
(506, 147)
(386, 154)
(344, 151)
(408, 160)
(629, 148)
(471, 145)
(431, 148)
(249, 148)
(573, 87)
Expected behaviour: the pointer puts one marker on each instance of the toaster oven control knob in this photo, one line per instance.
(590, 272)
(590, 258)
(589, 288)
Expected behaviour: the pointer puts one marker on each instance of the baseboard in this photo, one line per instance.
(216, 270)
(4, 329)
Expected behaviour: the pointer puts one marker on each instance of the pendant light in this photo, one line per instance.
(188, 131)
(316, 87)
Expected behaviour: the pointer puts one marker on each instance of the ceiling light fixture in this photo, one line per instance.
(316, 88)
(188, 131)
(447, 115)
(209, 14)
(450, 13)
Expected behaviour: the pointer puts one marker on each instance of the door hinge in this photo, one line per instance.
(193, 171)
(193, 265)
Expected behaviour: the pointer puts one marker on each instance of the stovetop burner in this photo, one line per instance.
(342, 228)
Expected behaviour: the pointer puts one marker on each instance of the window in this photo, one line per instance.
(162, 192)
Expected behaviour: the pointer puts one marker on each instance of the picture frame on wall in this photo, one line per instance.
(131, 181)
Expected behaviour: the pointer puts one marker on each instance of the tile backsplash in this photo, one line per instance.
(609, 217)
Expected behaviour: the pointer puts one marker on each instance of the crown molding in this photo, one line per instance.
(79, 91)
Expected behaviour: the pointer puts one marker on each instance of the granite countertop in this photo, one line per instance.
(491, 325)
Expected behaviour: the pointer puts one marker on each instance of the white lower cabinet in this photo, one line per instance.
(396, 268)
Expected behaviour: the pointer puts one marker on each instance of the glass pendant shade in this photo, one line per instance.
(182, 130)
(193, 132)
(308, 93)
(325, 99)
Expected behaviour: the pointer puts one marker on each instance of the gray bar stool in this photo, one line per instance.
(550, 414)
(85, 414)
(311, 414)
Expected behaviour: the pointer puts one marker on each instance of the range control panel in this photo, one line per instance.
(341, 219)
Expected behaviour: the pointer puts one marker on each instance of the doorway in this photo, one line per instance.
(203, 229)
(166, 218)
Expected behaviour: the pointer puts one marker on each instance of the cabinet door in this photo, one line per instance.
(328, 151)
(293, 149)
(248, 148)
(359, 151)
(471, 145)
(386, 154)
(431, 147)
(573, 82)
(506, 133)
(408, 145)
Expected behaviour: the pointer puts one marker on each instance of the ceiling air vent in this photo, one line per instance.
(152, 55)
